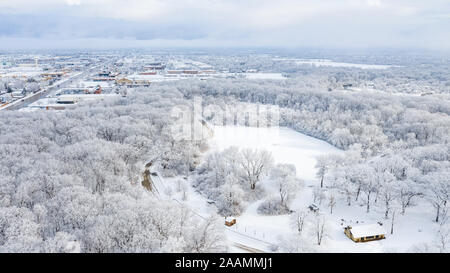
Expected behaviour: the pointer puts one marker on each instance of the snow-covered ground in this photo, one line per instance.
(326, 62)
(264, 76)
(152, 78)
(288, 146)
(53, 101)
(87, 83)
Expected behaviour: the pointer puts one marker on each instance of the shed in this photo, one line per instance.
(229, 221)
(365, 233)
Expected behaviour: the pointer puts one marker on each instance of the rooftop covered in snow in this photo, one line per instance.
(367, 230)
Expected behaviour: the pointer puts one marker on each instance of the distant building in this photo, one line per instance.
(103, 74)
(207, 71)
(155, 66)
(148, 73)
(67, 100)
(190, 71)
(131, 83)
(347, 86)
(98, 89)
(5, 64)
(102, 79)
(55, 107)
(17, 94)
(53, 74)
(174, 72)
(106, 76)
(123, 81)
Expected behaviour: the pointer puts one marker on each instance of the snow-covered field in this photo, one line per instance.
(152, 78)
(265, 76)
(326, 62)
(286, 145)
(289, 146)
(87, 83)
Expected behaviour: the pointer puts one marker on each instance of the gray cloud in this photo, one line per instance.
(290, 23)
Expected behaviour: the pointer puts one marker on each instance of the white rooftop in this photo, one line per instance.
(367, 230)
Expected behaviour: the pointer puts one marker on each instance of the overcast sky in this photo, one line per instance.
(240, 23)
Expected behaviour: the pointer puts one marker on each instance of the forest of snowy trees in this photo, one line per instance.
(409, 74)
(71, 179)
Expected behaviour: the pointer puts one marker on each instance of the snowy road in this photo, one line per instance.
(20, 103)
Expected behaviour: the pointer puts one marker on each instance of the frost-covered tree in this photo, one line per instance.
(231, 198)
(323, 164)
(320, 228)
(298, 220)
(284, 176)
(207, 237)
(331, 198)
(443, 238)
(254, 164)
(438, 192)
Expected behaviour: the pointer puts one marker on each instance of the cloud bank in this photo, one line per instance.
(261, 23)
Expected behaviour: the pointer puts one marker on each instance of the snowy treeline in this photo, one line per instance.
(373, 120)
(71, 180)
(414, 74)
(393, 179)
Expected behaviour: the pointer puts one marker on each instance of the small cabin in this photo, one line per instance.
(365, 233)
(229, 221)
